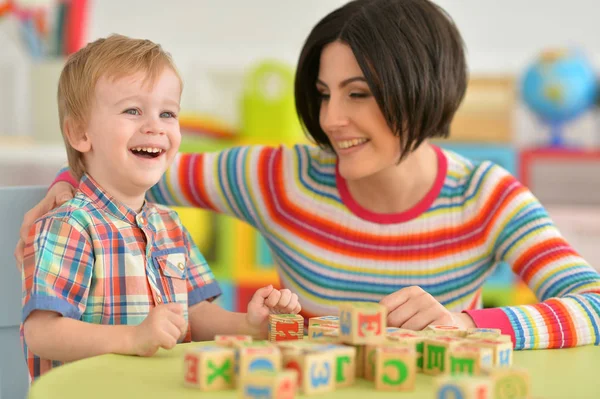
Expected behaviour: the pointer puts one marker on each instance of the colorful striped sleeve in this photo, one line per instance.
(222, 181)
(521, 233)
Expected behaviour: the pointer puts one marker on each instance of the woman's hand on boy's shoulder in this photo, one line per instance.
(57, 195)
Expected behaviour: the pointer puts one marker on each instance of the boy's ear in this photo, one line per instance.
(76, 135)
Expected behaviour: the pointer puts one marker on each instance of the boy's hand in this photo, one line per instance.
(268, 300)
(162, 328)
(58, 194)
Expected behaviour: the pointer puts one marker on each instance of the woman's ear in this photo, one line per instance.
(76, 135)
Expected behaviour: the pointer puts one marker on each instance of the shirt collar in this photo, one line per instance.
(104, 201)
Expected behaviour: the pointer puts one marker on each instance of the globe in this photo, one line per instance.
(558, 87)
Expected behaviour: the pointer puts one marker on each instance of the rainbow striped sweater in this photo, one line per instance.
(328, 249)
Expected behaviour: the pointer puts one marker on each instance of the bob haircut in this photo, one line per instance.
(412, 57)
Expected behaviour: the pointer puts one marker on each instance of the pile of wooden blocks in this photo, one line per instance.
(338, 350)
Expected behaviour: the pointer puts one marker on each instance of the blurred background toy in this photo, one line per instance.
(558, 87)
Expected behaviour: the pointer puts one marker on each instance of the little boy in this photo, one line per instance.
(108, 272)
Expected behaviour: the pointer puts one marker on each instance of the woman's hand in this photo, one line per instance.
(56, 196)
(414, 309)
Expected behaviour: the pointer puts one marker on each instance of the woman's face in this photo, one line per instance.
(351, 118)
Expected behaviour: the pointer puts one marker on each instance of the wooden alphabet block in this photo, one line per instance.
(508, 383)
(502, 351)
(494, 331)
(285, 327)
(362, 323)
(360, 360)
(395, 368)
(450, 331)
(413, 340)
(209, 368)
(470, 360)
(435, 353)
(269, 385)
(324, 320)
(316, 370)
(345, 363)
(395, 330)
(229, 340)
(251, 359)
(490, 336)
(463, 387)
(317, 331)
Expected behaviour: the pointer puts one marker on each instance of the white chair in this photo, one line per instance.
(14, 202)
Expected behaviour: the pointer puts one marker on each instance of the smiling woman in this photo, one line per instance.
(377, 213)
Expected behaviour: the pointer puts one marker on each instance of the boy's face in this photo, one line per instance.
(133, 132)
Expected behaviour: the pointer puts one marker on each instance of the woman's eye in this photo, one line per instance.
(132, 111)
(324, 96)
(359, 95)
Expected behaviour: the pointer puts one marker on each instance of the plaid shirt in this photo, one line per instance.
(95, 260)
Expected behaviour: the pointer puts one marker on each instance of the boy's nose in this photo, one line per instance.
(153, 126)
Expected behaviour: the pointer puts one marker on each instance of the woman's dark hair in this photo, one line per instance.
(412, 57)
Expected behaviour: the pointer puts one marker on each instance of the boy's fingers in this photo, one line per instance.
(273, 299)
(168, 339)
(177, 320)
(297, 309)
(285, 299)
(263, 292)
(174, 307)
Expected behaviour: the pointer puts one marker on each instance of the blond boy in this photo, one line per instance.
(108, 272)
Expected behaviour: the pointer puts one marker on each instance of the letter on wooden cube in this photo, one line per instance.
(362, 323)
(285, 327)
(251, 359)
(316, 370)
(395, 368)
(470, 360)
(209, 368)
(436, 353)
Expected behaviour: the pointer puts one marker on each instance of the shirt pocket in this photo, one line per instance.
(173, 275)
(172, 265)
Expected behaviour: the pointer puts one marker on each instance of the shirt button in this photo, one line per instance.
(158, 299)
(142, 221)
(181, 266)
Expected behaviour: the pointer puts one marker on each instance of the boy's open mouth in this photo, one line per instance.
(146, 152)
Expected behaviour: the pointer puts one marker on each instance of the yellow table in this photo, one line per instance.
(565, 373)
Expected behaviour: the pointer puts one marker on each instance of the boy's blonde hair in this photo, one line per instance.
(113, 57)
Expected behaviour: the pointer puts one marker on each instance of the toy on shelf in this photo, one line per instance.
(558, 87)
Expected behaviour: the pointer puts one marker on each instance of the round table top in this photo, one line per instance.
(557, 373)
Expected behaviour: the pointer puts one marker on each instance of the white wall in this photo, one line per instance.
(500, 35)
(213, 40)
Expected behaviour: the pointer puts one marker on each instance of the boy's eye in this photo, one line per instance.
(132, 111)
(167, 114)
